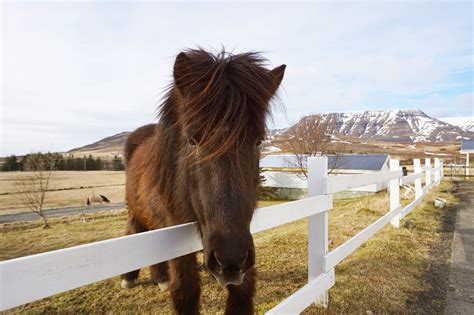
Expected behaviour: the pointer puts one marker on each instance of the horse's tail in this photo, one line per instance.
(104, 198)
(136, 138)
(88, 201)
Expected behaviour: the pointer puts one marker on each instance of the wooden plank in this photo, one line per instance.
(344, 250)
(272, 216)
(428, 172)
(417, 170)
(317, 225)
(30, 278)
(344, 182)
(412, 205)
(436, 169)
(304, 297)
(427, 188)
(410, 178)
(394, 193)
(34, 277)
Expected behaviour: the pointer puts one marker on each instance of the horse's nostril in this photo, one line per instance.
(212, 262)
(225, 268)
(218, 262)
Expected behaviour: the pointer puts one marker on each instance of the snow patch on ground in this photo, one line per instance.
(271, 149)
(438, 154)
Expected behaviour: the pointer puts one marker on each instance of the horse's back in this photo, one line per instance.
(136, 138)
(140, 191)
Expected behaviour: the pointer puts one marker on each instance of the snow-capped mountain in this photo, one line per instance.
(465, 123)
(411, 125)
(390, 125)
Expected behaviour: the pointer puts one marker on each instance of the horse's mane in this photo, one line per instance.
(222, 99)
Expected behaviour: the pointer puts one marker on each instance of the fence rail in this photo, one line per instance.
(30, 278)
(336, 184)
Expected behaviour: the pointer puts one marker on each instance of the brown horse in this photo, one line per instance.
(96, 199)
(200, 163)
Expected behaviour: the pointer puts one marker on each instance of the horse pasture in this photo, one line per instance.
(68, 188)
(398, 271)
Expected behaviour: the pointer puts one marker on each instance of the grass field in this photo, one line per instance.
(68, 188)
(388, 274)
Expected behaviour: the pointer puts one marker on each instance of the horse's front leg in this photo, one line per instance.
(185, 284)
(240, 299)
(160, 275)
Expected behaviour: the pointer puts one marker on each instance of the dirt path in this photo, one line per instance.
(57, 212)
(460, 297)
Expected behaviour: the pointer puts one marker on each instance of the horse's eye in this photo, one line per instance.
(259, 142)
(192, 141)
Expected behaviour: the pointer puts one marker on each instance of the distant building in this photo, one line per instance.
(344, 163)
(283, 170)
(467, 147)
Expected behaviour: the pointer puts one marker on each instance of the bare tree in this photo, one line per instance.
(312, 136)
(32, 186)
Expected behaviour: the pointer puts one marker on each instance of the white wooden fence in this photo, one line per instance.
(26, 279)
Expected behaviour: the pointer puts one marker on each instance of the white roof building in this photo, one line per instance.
(467, 147)
(283, 170)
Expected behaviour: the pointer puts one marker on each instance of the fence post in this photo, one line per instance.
(442, 169)
(428, 172)
(467, 165)
(394, 192)
(417, 169)
(437, 172)
(318, 223)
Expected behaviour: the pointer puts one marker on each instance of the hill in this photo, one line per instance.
(396, 126)
(108, 146)
(465, 123)
(391, 125)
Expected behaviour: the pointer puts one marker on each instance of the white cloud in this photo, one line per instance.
(461, 105)
(93, 69)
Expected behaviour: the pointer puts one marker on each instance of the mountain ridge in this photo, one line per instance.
(465, 123)
(402, 125)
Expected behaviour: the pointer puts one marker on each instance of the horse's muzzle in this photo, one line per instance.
(224, 280)
(229, 273)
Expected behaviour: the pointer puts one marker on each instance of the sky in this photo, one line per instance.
(74, 72)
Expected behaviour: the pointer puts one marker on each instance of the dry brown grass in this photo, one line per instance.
(401, 151)
(68, 188)
(385, 275)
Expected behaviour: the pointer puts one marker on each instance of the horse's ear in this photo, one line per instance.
(181, 67)
(277, 76)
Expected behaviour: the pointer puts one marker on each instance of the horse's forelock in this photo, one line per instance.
(225, 102)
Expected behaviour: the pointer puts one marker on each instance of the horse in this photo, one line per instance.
(96, 199)
(200, 163)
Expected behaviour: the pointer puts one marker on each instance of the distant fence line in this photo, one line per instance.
(30, 278)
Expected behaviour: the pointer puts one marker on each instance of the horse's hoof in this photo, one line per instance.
(127, 284)
(163, 286)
